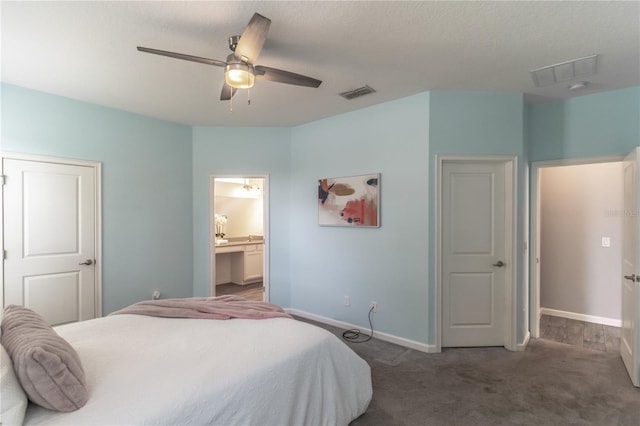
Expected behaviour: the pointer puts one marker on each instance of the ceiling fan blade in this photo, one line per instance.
(227, 92)
(183, 56)
(281, 76)
(252, 38)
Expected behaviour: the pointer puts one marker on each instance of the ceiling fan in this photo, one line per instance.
(240, 69)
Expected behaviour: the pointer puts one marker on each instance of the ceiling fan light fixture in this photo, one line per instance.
(239, 75)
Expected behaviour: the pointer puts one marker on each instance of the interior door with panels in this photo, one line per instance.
(630, 308)
(50, 239)
(475, 262)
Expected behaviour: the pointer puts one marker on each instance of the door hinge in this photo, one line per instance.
(3, 179)
(4, 254)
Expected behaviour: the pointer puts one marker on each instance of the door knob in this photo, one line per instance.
(86, 262)
(631, 277)
(499, 264)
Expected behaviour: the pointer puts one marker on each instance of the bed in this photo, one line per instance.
(149, 370)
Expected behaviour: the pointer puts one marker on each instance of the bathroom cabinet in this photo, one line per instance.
(239, 263)
(248, 268)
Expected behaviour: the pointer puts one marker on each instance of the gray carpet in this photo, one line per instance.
(548, 384)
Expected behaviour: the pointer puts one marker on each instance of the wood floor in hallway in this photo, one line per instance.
(249, 291)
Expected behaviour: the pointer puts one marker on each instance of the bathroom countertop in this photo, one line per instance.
(239, 242)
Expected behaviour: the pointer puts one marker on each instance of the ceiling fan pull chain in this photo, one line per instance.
(231, 98)
(249, 97)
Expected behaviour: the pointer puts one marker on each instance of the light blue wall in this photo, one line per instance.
(386, 264)
(246, 150)
(146, 180)
(591, 126)
(601, 124)
(156, 195)
(480, 124)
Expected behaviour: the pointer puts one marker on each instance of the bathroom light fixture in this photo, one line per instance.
(239, 75)
(253, 188)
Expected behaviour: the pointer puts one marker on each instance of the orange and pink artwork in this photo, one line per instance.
(349, 201)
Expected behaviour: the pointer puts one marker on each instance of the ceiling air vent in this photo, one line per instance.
(564, 71)
(356, 93)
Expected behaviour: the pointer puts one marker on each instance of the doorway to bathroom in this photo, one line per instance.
(238, 236)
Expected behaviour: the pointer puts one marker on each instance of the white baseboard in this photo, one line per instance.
(581, 317)
(407, 343)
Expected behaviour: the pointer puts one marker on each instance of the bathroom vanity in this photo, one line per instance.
(239, 262)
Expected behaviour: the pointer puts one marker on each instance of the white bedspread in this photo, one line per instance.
(146, 370)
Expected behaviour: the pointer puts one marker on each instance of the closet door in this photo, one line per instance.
(50, 239)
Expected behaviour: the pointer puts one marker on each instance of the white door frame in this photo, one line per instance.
(511, 219)
(97, 167)
(265, 225)
(534, 252)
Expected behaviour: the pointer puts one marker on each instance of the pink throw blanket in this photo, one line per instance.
(222, 307)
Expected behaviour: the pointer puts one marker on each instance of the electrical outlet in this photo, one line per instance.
(374, 306)
(347, 301)
(155, 295)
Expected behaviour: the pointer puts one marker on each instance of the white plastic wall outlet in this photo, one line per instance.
(347, 302)
(374, 306)
(155, 295)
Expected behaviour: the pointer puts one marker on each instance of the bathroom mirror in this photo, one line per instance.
(240, 200)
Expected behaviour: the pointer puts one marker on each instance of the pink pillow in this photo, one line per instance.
(46, 365)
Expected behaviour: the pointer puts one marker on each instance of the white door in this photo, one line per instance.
(50, 239)
(475, 262)
(629, 338)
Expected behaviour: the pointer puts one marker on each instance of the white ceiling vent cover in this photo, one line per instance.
(564, 71)
(356, 93)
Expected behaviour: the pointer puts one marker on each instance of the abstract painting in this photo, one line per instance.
(349, 201)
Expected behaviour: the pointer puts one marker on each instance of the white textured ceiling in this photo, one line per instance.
(87, 51)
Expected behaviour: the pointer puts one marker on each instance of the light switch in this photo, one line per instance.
(606, 241)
